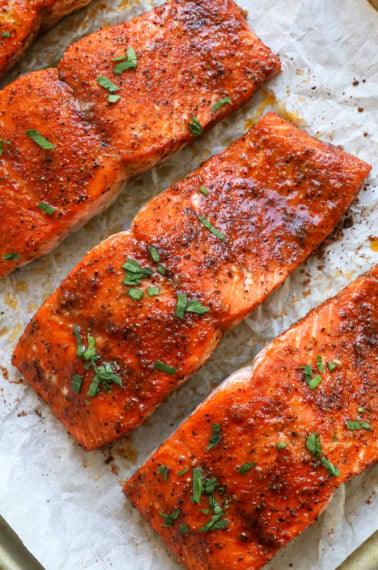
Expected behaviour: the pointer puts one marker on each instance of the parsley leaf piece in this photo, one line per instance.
(107, 84)
(314, 445)
(153, 291)
(183, 471)
(94, 387)
(335, 438)
(307, 370)
(11, 256)
(80, 347)
(2, 143)
(205, 511)
(243, 470)
(164, 472)
(136, 294)
(314, 382)
(132, 266)
(197, 485)
(154, 253)
(76, 383)
(211, 228)
(353, 425)
(204, 191)
(165, 368)
(39, 139)
(161, 269)
(90, 352)
(215, 438)
(6, 34)
(184, 529)
(131, 62)
(331, 366)
(210, 486)
(319, 364)
(361, 410)
(49, 210)
(220, 103)
(196, 307)
(114, 98)
(195, 127)
(281, 445)
(182, 301)
(217, 521)
(332, 469)
(107, 375)
(169, 519)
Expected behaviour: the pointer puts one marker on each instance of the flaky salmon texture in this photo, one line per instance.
(21, 21)
(143, 310)
(258, 461)
(121, 100)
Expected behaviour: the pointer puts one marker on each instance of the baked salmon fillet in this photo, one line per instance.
(259, 460)
(22, 20)
(143, 310)
(121, 100)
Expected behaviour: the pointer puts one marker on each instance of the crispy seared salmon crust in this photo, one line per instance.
(197, 260)
(22, 20)
(185, 65)
(284, 444)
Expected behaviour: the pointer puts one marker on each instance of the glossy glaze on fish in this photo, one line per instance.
(121, 100)
(21, 21)
(214, 245)
(282, 443)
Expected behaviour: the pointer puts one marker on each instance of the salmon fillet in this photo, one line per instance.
(197, 260)
(179, 69)
(22, 20)
(259, 460)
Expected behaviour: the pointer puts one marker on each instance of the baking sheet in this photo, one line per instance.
(66, 504)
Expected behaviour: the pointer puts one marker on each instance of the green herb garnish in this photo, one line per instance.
(46, 208)
(361, 410)
(182, 301)
(107, 84)
(183, 471)
(11, 256)
(154, 253)
(353, 425)
(6, 34)
(215, 438)
(314, 382)
(332, 469)
(331, 366)
(197, 485)
(161, 269)
(204, 191)
(196, 307)
(211, 228)
(114, 98)
(2, 143)
(184, 529)
(39, 139)
(319, 364)
(165, 368)
(136, 294)
(76, 383)
(164, 472)
(153, 291)
(217, 521)
(281, 445)
(313, 444)
(221, 103)
(243, 470)
(170, 519)
(195, 127)
(128, 61)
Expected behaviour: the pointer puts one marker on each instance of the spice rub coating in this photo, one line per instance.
(21, 21)
(165, 291)
(282, 447)
(175, 64)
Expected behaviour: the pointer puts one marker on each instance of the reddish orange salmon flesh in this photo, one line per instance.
(282, 447)
(22, 20)
(189, 57)
(269, 200)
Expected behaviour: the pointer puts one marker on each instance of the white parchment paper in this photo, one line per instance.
(66, 504)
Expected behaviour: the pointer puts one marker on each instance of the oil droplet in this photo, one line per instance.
(374, 244)
(21, 286)
(15, 332)
(4, 331)
(32, 307)
(11, 301)
(299, 72)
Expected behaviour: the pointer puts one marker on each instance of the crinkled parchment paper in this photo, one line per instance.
(66, 504)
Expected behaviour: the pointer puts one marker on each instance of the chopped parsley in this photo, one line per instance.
(11, 256)
(313, 444)
(184, 529)
(319, 364)
(197, 485)
(196, 307)
(163, 470)
(2, 143)
(281, 445)
(114, 98)
(105, 375)
(183, 471)
(6, 34)
(128, 61)
(354, 425)
(161, 269)
(312, 381)
(170, 519)
(183, 306)
(243, 470)
(49, 210)
(165, 368)
(134, 274)
(153, 291)
(195, 127)
(217, 521)
(211, 228)
(331, 366)
(154, 253)
(220, 103)
(182, 301)
(76, 383)
(39, 139)
(361, 410)
(332, 469)
(107, 84)
(136, 294)
(215, 438)
(204, 191)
